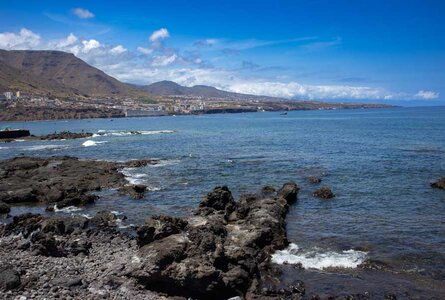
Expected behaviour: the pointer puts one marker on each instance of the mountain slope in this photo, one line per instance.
(58, 73)
(169, 88)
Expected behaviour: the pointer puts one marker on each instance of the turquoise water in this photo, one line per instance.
(379, 163)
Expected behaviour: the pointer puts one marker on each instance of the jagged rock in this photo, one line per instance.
(314, 180)
(141, 163)
(439, 184)
(4, 208)
(159, 227)
(324, 193)
(134, 191)
(289, 192)
(104, 218)
(214, 253)
(9, 278)
(219, 199)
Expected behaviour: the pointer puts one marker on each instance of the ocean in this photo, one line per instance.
(378, 162)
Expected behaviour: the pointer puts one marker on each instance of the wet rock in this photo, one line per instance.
(214, 253)
(267, 190)
(9, 278)
(104, 218)
(324, 193)
(219, 199)
(65, 135)
(141, 163)
(314, 180)
(23, 224)
(134, 191)
(4, 208)
(289, 192)
(439, 184)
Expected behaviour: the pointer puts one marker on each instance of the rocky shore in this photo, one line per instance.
(62, 181)
(221, 251)
(63, 135)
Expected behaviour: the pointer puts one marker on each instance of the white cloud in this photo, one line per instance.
(427, 95)
(119, 49)
(68, 41)
(83, 13)
(162, 61)
(25, 39)
(90, 45)
(159, 35)
(145, 51)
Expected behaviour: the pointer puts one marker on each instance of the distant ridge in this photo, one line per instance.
(59, 74)
(170, 88)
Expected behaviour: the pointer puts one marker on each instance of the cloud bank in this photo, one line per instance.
(155, 61)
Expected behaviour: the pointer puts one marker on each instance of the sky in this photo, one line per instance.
(336, 50)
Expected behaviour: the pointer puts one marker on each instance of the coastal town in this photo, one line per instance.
(15, 104)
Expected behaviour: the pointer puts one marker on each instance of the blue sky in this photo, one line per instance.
(342, 50)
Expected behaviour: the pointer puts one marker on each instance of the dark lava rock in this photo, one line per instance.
(439, 184)
(65, 135)
(134, 191)
(219, 199)
(56, 179)
(267, 190)
(314, 180)
(4, 208)
(9, 278)
(214, 253)
(158, 227)
(324, 193)
(289, 192)
(104, 218)
(141, 163)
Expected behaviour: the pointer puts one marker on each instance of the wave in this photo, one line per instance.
(68, 209)
(44, 147)
(91, 143)
(165, 162)
(130, 132)
(316, 259)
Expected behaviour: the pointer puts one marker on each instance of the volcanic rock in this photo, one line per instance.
(439, 184)
(324, 193)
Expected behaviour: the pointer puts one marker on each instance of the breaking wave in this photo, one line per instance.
(316, 259)
(91, 143)
(130, 132)
(68, 209)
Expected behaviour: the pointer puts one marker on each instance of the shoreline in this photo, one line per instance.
(212, 112)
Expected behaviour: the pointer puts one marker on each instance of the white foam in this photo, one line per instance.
(91, 143)
(68, 209)
(317, 259)
(165, 162)
(44, 147)
(19, 140)
(130, 132)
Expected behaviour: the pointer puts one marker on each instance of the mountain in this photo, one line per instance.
(170, 88)
(59, 74)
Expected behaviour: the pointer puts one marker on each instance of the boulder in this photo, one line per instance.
(9, 278)
(314, 180)
(4, 208)
(324, 193)
(289, 192)
(104, 218)
(439, 184)
(134, 191)
(159, 227)
(219, 199)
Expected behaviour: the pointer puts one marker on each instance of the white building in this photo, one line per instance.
(8, 95)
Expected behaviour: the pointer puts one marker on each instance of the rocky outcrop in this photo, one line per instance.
(64, 181)
(65, 135)
(439, 184)
(324, 193)
(219, 251)
(314, 180)
(4, 208)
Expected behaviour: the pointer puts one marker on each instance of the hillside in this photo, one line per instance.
(59, 74)
(169, 88)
